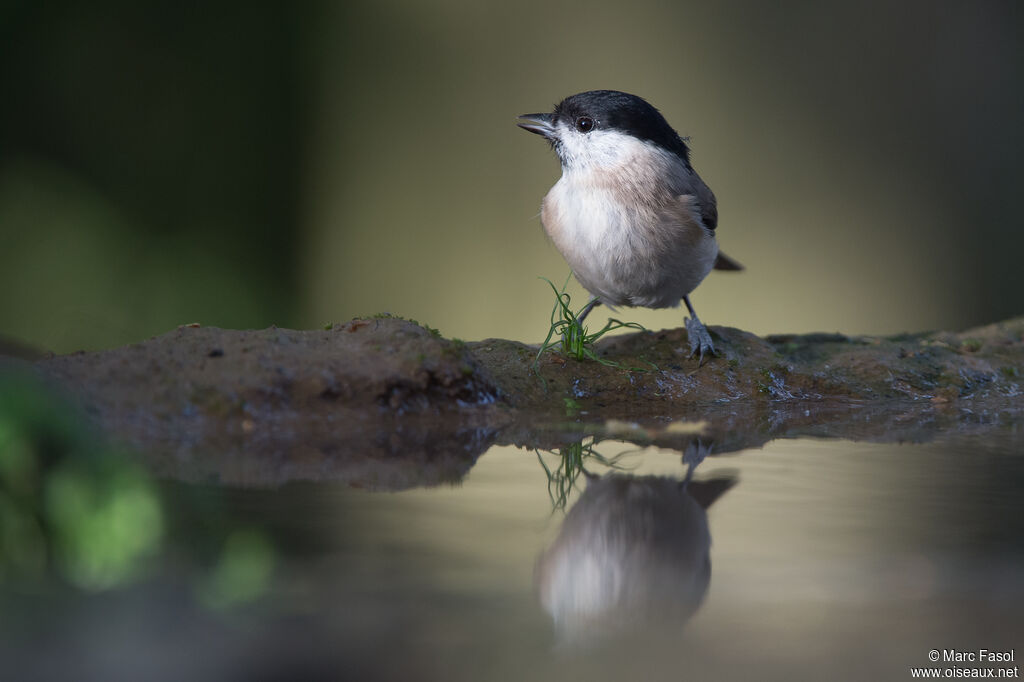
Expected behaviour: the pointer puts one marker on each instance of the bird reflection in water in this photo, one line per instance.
(633, 554)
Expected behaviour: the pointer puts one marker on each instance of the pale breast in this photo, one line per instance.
(628, 245)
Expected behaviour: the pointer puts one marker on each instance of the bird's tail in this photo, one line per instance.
(723, 262)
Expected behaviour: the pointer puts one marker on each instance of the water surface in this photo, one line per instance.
(807, 559)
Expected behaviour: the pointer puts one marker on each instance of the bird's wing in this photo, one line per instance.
(683, 215)
(702, 199)
(706, 205)
(689, 214)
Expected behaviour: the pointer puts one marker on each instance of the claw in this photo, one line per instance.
(700, 339)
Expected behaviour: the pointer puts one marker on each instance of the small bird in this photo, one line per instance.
(630, 214)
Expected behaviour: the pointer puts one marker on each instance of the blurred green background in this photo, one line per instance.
(243, 164)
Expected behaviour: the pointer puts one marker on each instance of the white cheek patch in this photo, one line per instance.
(598, 148)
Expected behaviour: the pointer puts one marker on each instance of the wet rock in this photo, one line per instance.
(983, 364)
(385, 362)
(386, 403)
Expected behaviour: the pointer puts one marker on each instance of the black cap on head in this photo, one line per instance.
(614, 110)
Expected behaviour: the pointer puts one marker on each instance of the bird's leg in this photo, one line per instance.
(695, 453)
(700, 339)
(572, 330)
(594, 302)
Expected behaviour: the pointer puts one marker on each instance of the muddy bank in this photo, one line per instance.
(386, 403)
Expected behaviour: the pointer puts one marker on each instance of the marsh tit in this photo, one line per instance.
(630, 214)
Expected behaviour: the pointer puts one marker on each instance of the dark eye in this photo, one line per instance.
(584, 124)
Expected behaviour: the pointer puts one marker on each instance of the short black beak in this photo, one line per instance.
(542, 124)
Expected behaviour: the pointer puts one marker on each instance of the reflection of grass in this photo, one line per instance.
(573, 338)
(563, 477)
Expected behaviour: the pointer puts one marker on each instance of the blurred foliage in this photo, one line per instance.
(242, 572)
(69, 504)
(76, 510)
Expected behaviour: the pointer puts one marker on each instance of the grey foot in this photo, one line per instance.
(700, 339)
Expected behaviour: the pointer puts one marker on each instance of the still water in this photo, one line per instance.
(807, 559)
